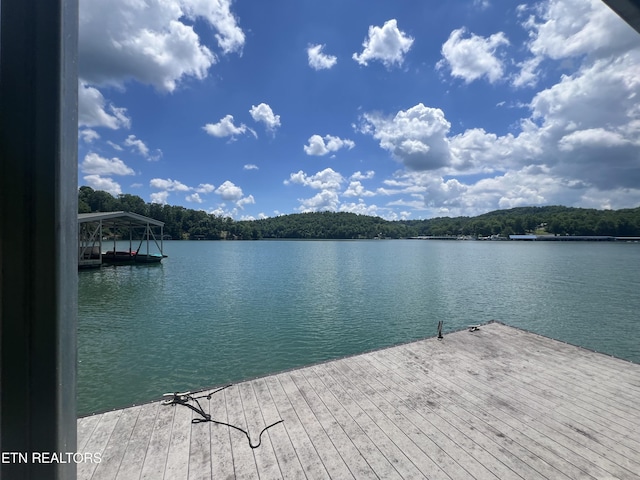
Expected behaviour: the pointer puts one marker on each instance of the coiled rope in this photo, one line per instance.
(185, 399)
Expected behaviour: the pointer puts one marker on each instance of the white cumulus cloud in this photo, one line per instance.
(153, 41)
(264, 114)
(226, 128)
(387, 44)
(417, 137)
(369, 174)
(137, 144)
(322, 145)
(319, 60)
(194, 197)
(205, 188)
(95, 111)
(248, 200)
(229, 191)
(88, 135)
(473, 57)
(589, 126)
(569, 28)
(593, 137)
(115, 146)
(560, 29)
(95, 164)
(160, 197)
(105, 184)
(327, 179)
(362, 208)
(356, 189)
(229, 36)
(326, 200)
(169, 185)
(580, 146)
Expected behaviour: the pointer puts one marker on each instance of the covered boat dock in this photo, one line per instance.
(144, 235)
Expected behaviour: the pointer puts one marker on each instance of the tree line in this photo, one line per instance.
(184, 223)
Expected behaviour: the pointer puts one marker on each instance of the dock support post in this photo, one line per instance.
(38, 236)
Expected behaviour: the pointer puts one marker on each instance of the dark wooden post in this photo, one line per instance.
(38, 236)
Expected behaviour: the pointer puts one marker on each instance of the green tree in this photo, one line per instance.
(100, 201)
(133, 203)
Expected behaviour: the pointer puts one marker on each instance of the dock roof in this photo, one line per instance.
(130, 216)
(497, 402)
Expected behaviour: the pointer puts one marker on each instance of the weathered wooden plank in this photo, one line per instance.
(432, 405)
(305, 449)
(611, 426)
(330, 456)
(178, 453)
(586, 402)
(566, 376)
(480, 447)
(266, 461)
(244, 462)
(597, 366)
(572, 364)
(98, 441)
(115, 450)
(448, 454)
(412, 440)
(568, 412)
(288, 462)
(437, 462)
(200, 443)
(133, 460)
(376, 460)
(513, 400)
(388, 440)
(220, 449)
(86, 426)
(584, 391)
(354, 461)
(438, 394)
(177, 466)
(156, 458)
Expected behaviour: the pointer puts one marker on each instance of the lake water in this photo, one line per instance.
(219, 312)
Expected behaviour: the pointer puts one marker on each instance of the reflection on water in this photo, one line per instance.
(217, 312)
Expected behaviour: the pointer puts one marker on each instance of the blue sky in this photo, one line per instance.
(404, 110)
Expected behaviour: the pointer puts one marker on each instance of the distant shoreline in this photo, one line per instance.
(533, 238)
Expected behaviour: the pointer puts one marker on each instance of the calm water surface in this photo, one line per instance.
(218, 312)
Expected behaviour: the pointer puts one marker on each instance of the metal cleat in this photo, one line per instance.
(176, 397)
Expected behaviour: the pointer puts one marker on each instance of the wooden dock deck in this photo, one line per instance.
(497, 403)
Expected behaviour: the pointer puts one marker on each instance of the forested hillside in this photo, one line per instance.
(184, 223)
